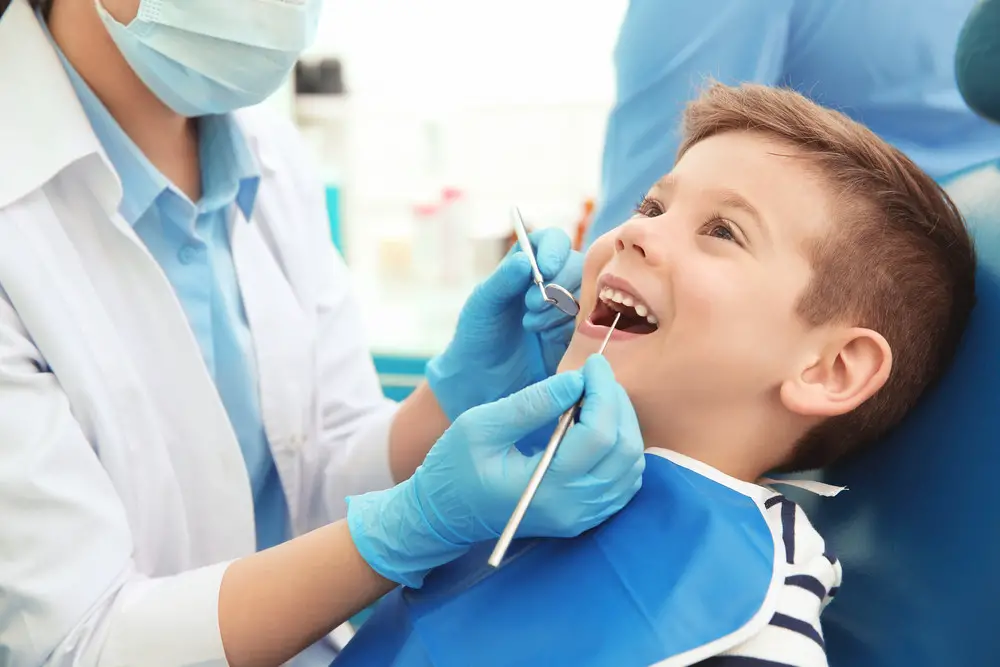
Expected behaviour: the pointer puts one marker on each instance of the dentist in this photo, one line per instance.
(185, 397)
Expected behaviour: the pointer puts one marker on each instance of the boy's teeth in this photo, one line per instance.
(612, 295)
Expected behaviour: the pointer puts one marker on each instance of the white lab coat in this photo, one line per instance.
(123, 492)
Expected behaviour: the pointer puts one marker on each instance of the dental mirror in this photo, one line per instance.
(557, 295)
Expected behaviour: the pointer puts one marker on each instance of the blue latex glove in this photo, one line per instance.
(473, 477)
(507, 337)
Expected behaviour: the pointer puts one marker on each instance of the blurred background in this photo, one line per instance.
(428, 122)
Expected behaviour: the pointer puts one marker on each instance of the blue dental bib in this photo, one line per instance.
(685, 571)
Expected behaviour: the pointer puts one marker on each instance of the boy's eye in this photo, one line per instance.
(721, 231)
(721, 228)
(648, 208)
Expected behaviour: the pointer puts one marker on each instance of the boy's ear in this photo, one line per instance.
(848, 371)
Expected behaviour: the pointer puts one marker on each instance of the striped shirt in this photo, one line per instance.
(794, 637)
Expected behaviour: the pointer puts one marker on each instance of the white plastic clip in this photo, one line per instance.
(819, 488)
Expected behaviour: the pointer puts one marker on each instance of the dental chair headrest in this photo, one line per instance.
(977, 60)
(918, 531)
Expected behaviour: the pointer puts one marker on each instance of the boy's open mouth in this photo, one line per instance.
(636, 316)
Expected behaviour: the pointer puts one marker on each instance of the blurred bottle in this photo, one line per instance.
(583, 224)
(322, 113)
(429, 258)
(459, 248)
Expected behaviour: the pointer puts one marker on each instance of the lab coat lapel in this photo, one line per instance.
(199, 437)
(283, 347)
(72, 269)
(105, 318)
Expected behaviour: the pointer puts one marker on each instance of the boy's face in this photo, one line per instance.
(717, 255)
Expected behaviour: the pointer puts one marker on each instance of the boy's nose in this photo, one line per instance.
(638, 238)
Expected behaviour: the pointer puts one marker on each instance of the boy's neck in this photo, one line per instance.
(741, 448)
(739, 467)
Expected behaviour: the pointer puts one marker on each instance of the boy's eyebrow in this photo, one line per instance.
(733, 199)
(725, 197)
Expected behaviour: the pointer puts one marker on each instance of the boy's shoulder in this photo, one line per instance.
(809, 562)
(810, 576)
(794, 635)
(800, 538)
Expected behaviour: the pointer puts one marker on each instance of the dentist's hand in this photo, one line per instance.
(507, 336)
(473, 477)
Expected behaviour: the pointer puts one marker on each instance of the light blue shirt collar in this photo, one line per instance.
(229, 170)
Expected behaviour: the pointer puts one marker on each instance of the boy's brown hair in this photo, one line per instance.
(899, 261)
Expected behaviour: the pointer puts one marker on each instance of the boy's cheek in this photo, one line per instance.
(597, 257)
(600, 251)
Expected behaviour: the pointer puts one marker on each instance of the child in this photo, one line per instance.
(787, 293)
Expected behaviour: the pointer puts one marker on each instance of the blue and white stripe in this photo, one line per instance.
(794, 637)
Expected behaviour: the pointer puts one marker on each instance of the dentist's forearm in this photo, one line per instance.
(276, 603)
(417, 425)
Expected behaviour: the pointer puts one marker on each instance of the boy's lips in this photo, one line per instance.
(598, 332)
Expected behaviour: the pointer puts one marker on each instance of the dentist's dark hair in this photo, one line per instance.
(44, 5)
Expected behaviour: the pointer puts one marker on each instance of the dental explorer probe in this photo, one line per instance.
(562, 426)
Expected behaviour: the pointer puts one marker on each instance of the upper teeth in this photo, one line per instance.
(642, 310)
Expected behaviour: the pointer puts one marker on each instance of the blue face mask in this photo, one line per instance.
(205, 57)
